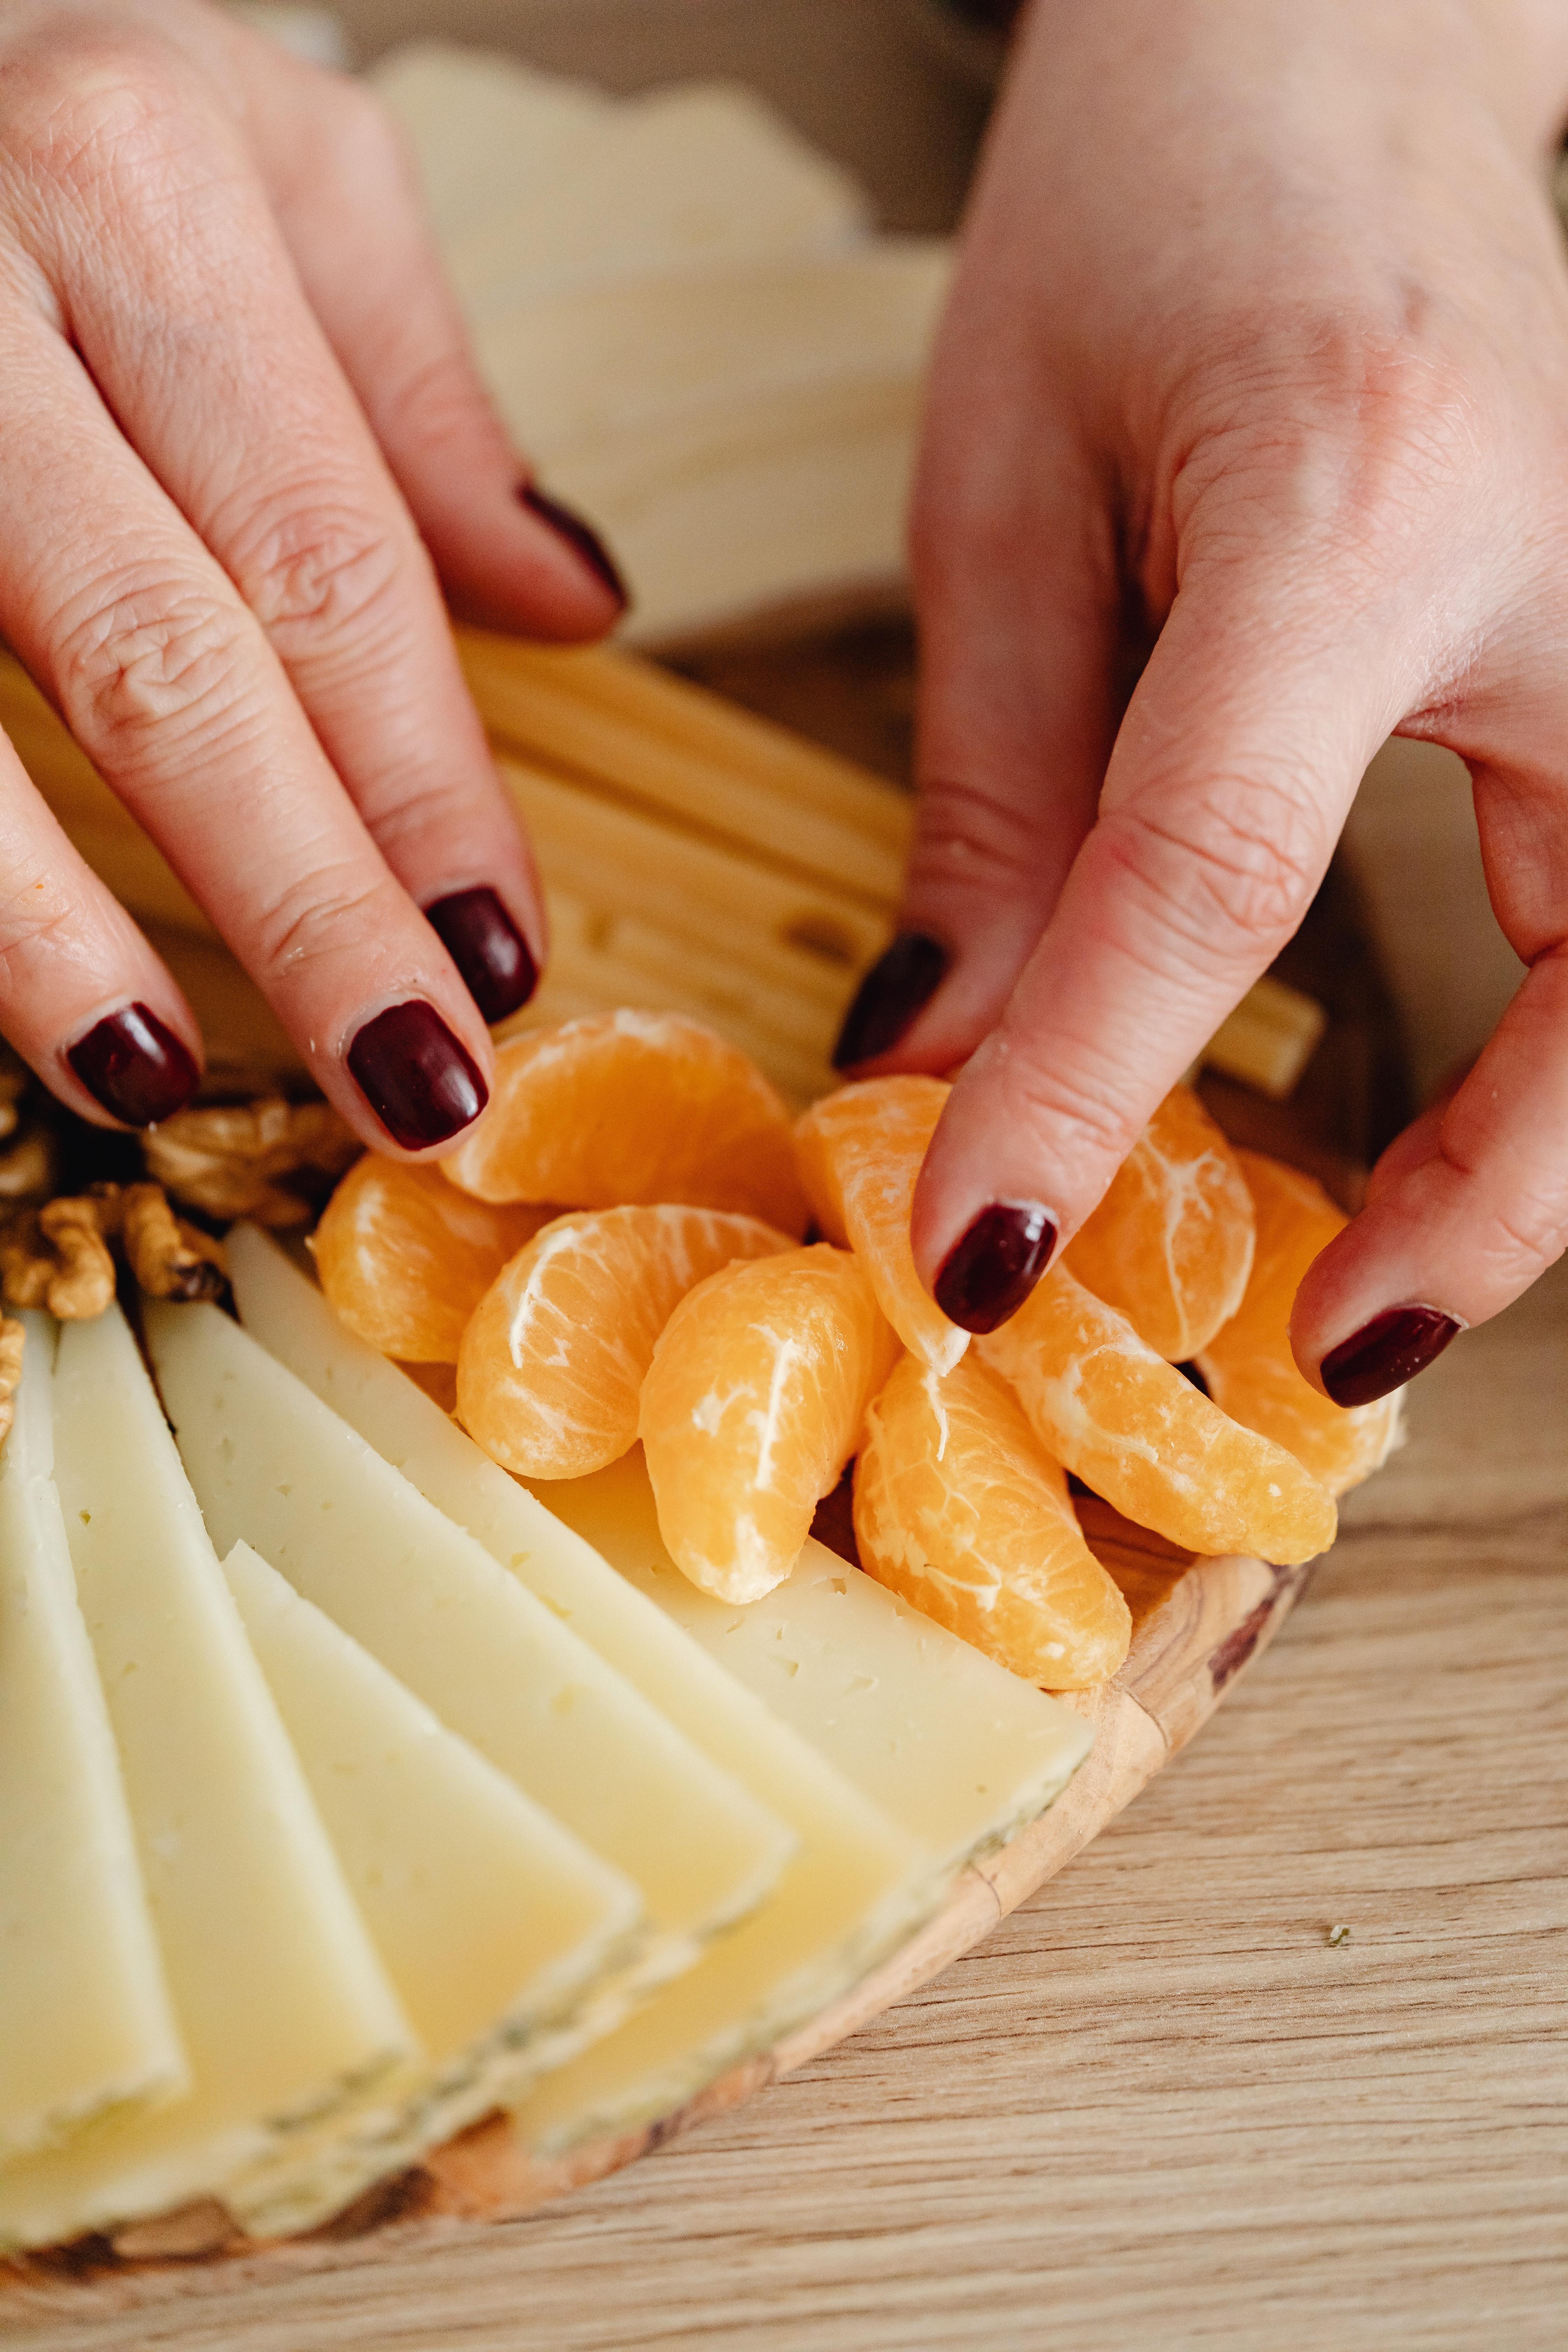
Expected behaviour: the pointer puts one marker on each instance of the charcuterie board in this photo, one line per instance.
(825, 890)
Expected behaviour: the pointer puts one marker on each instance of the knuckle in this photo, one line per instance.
(1226, 867)
(92, 100)
(151, 657)
(968, 836)
(313, 915)
(318, 572)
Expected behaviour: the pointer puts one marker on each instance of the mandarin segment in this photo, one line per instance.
(1248, 1366)
(860, 1152)
(553, 1359)
(1169, 1246)
(631, 1108)
(960, 1509)
(752, 1407)
(1141, 1437)
(404, 1259)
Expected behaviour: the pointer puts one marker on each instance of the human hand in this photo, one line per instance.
(1259, 341)
(237, 421)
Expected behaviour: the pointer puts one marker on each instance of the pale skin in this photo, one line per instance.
(1258, 347)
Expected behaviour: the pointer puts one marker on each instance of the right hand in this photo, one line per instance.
(238, 418)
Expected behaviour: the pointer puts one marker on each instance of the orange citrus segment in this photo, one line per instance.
(858, 1153)
(959, 1509)
(1170, 1244)
(752, 1407)
(1140, 1435)
(405, 1260)
(1248, 1366)
(631, 1107)
(555, 1356)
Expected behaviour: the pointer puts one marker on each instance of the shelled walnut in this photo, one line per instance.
(12, 1340)
(59, 1257)
(236, 1160)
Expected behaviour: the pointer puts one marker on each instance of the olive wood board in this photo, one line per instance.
(1197, 1623)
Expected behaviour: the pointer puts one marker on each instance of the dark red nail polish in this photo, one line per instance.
(497, 967)
(899, 981)
(991, 1270)
(580, 536)
(415, 1076)
(1386, 1352)
(134, 1066)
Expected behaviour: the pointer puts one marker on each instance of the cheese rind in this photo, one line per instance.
(86, 2025)
(493, 1922)
(276, 1468)
(283, 2008)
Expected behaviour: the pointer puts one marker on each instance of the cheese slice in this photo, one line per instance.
(282, 2006)
(940, 1738)
(493, 1922)
(699, 173)
(274, 1467)
(85, 2025)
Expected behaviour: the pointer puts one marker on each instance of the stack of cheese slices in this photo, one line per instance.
(687, 320)
(347, 1794)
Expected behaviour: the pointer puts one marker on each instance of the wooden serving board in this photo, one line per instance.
(1197, 1622)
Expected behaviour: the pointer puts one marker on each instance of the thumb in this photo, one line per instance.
(1016, 591)
(1231, 777)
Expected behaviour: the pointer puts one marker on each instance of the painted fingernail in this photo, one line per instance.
(415, 1077)
(1386, 1352)
(134, 1066)
(580, 536)
(991, 1270)
(495, 959)
(887, 999)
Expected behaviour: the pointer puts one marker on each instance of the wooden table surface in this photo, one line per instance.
(1156, 2109)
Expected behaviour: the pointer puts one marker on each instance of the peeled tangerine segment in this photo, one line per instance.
(276, 1468)
(553, 1360)
(1143, 1437)
(85, 2025)
(493, 1922)
(1170, 1244)
(405, 1259)
(631, 1107)
(959, 1507)
(859, 1881)
(1250, 1371)
(752, 1407)
(860, 1152)
(282, 2004)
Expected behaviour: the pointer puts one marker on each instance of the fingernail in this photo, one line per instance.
(988, 1273)
(134, 1066)
(892, 992)
(497, 967)
(580, 536)
(1386, 1352)
(415, 1077)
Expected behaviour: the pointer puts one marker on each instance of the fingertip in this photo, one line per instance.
(497, 964)
(573, 532)
(134, 1067)
(416, 1076)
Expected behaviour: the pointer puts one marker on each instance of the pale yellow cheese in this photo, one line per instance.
(494, 1923)
(283, 2008)
(274, 1467)
(85, 2025)
(940, 1738)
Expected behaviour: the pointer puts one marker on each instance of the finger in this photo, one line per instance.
(1015, 589)
(167, 682)
(350, 206)
(1239, 758)
(246, 421)
(83, 998)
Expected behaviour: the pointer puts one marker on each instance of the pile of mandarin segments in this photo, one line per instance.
(616, 1255)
